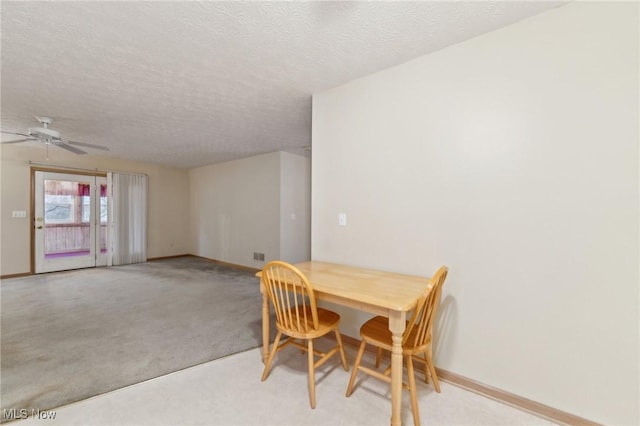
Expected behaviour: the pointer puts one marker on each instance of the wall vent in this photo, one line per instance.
(258, 256)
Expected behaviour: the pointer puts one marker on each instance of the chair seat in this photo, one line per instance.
(376, 332)
(327, 321)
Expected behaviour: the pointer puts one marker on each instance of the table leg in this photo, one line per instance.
(397, 325)
(265, 326)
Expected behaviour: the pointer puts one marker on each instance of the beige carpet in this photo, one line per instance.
(228, 391)
(71, 335)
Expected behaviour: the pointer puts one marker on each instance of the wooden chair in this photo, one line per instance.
(298, 317)
(416, 340)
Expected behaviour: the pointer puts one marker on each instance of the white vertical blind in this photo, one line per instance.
(129, 218)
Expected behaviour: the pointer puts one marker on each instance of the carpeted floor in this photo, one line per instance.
(70, 335)
(228, 391)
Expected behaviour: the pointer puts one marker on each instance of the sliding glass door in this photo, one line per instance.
(71, 217)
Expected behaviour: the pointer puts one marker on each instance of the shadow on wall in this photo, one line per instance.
(444, 328)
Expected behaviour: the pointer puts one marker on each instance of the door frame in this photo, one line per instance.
(33, 199)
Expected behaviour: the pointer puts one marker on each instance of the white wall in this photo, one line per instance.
(295, 208)
(168, 202)
(513, 159)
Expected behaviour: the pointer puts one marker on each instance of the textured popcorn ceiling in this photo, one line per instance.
(194, 83)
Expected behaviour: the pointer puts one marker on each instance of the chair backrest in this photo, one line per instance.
(418, 332)
(292, 297)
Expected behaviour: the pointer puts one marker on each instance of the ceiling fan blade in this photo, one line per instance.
(88, 145)
(17, 134)
(19, 140)
(70, 148)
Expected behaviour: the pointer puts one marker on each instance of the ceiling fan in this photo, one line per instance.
(51, 137)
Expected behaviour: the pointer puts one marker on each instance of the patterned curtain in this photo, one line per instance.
(129, 218)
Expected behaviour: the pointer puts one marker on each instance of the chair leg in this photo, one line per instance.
(432, 370)
(426, 368)
(412, 391)
(312, 375)
(355, 368)
(342, 355)
(274, 349)
(378, 357)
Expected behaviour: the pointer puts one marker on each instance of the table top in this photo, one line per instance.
(387, 290)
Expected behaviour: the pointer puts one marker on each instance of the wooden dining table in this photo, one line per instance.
(389, 294)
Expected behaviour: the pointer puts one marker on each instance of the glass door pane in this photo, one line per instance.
(67, 218)
(65, 221)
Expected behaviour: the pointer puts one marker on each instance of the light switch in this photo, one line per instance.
(342, 219)
(18, 213)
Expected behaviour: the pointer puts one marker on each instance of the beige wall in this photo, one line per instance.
(245, 206)
(235, 210)
(512, 158)
(295, 207)
(168, 202)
